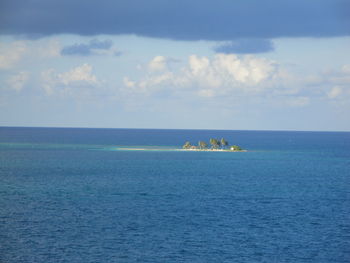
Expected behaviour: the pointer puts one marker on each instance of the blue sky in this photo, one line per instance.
(262, 65)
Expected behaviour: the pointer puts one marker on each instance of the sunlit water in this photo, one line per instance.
(68, 195)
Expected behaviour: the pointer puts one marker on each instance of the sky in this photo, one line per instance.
(180, 64)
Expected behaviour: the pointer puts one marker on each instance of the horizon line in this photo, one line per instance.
(190, 129)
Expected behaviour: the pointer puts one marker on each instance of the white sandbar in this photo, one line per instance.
(173, 149)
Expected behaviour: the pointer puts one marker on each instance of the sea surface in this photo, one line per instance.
(69, 195)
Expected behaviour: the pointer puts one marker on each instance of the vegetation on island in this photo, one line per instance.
(236, 148)
(215, 144)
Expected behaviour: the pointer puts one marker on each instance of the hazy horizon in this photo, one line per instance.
(150, 128)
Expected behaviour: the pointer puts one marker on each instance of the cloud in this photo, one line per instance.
(67, 82)
(219, 20)
(245, 46)
(331, 84)
(335, 92)
(230, 71)
(346, 69)
(11, 54)
(158, 63)
(14, 52)
(94, 47)
(223, 75)
(128, 83)
(17, 82)
(331, 77)
(340, 77)
(80, 74)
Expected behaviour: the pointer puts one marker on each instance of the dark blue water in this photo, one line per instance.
(67, 196)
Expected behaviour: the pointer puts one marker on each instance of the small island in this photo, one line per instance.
(215, 145)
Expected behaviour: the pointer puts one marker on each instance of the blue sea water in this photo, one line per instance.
(66, 195)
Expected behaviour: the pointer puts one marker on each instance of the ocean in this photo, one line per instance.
(68, 195)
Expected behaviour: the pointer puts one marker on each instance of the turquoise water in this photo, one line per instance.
(67, 196)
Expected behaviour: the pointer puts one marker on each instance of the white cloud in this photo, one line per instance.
(79, 74)
(128, 83)
(49, 81)
(340, 77)
(158, 63)
(222, 75)
(334, 92)
(334, 77)
(248, 70)
(230, 73)
(156, 80)
(198, 65)
(346, 69)
(336, 83)
(10, 54)
(18, 81)
(65, 82)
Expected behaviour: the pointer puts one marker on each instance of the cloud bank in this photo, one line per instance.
(235, 79)
(222, 75)
(218, 20)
